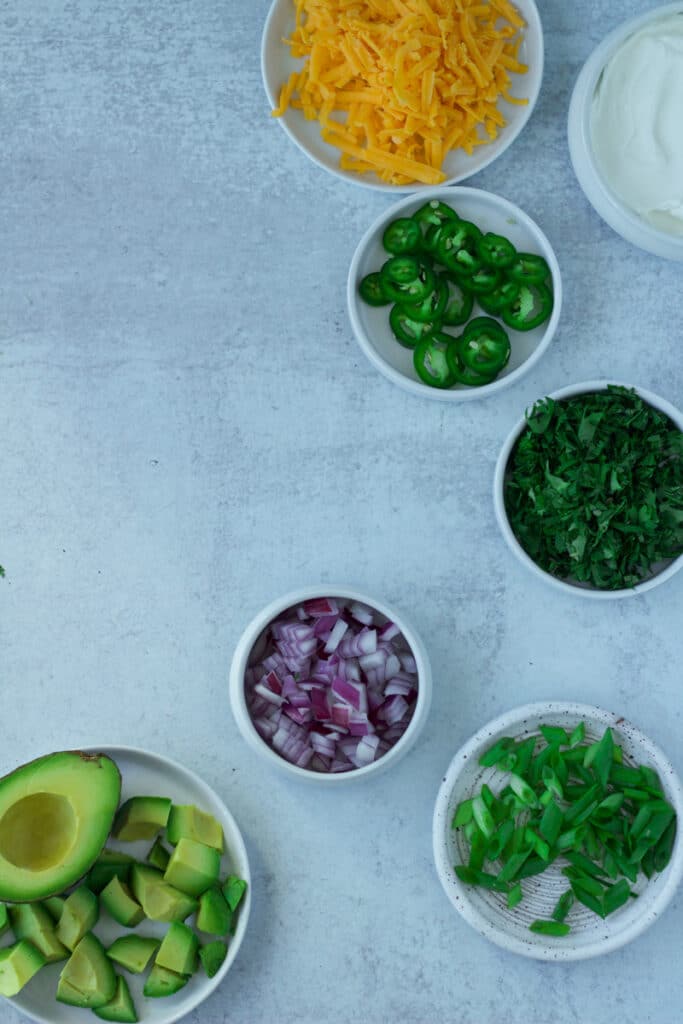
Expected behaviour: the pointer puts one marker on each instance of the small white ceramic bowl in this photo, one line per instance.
(253, 633)
(598, 191)
(371, 324)
(277, 65)
(660, 573)
(487, 911)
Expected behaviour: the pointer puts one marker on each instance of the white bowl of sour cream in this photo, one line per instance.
(626, 130)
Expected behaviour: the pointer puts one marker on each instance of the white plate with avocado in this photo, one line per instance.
(150, 775)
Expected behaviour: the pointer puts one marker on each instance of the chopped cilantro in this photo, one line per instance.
(594, 488)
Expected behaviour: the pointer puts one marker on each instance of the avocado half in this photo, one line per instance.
(55, 816)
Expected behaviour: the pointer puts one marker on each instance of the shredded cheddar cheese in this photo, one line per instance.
(397, 84)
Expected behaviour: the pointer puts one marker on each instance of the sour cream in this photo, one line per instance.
(637, 123)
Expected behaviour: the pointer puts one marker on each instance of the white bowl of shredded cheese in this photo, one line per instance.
(625, 136)
(398, 102)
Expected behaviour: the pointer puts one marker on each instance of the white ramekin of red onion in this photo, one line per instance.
(330, 685)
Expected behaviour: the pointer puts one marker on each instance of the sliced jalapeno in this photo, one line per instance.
(457, 246)
(402, 236)
(407, 288)
(434, 213)
(485, 350)
(504, 295)
(460, 372)
(431, 363)
(531, 308)
(401, 269)
(433, 306)
(460, 302)
(484, 280)
(528, 268)
(406, 330)
(496, 251)
(371, 290)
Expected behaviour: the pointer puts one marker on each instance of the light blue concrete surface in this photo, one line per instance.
(189, 429)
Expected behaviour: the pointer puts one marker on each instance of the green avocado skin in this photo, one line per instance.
(72, 793)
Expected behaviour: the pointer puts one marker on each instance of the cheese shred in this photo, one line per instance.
(397, 84)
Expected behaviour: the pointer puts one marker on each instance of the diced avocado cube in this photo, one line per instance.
(178, 950)
(214, 915)
(141, 817)
(159, 900)
(159, 856)
(109, 864)
(79, 914)
(133, 951)
(4, 920)
(18, 964)
(54, 906)
(234, 889)
(31, 921)
(212, 956)
(121, 1008)
(187, 822)
(118, 902)
(88, 978)
(193, 867)
(162, 982)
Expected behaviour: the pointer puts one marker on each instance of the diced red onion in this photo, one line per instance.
(364, 642)
(319, 606)
(361, 613)
(324, 626)
(272, 698)
(389, 632)
(408, 663)
(329, 688)
(335, 636)
(397, 686)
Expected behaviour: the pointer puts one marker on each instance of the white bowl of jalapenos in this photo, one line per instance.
(454, 293)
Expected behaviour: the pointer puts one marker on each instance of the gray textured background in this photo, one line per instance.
(189, 429)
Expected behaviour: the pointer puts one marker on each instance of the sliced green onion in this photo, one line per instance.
(523, 790)
(563, 906)
(616, 896)
(578, 735)
(463, 814)
(483, 817)
(554, 736)
(495, 753)
(557, 928)
(569, 799)
(515, 895)
(664, 848)
(551, 781)
(551, 823)
(588, 867)
(586, 897)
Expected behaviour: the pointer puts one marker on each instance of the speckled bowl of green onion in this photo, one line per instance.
(588, 490)
(555, 831)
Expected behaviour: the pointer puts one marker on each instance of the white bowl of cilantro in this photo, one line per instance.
(329, 685)
(555, 833)
(588, 490)
(454, 294)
